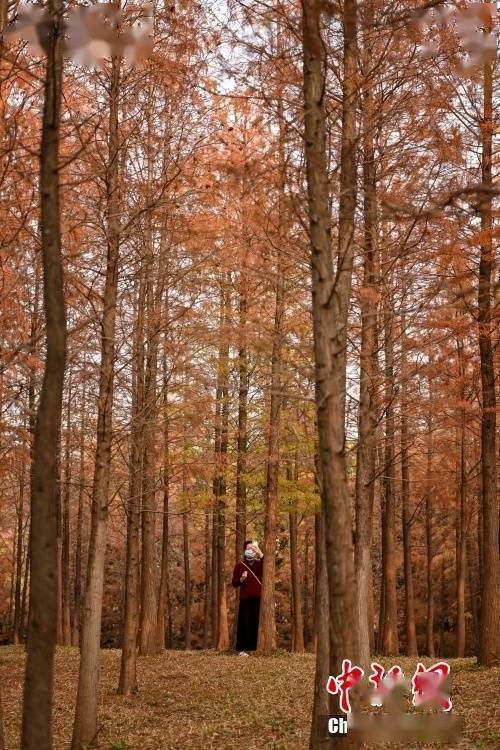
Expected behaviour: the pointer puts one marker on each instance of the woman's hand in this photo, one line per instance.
(257, 550)
(243, 576)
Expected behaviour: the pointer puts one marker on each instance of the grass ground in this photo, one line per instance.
(212, 701)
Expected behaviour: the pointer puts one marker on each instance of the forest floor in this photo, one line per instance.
(221, 702)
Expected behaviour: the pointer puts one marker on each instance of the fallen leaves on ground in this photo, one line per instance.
(223, 702)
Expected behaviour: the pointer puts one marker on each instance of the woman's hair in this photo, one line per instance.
(248, 541)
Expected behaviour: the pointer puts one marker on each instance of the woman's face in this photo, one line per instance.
(250, 553)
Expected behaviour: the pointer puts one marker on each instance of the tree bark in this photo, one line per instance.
(36, 733)
(367, 420)
(489, 639)
(128, 666)
(241, 460)
(148, 642)
(164, 589)
(411, 632)
(461, 514)
(429, 624)
(389, 625)
(321, 608)
(206, 601)
(187, 571)
(19, 557)
(220, 628)
(267, 620)
(77, 612)
(330, 297)
(309, 627)
(85, 725)
(65, 571)
(297, 619)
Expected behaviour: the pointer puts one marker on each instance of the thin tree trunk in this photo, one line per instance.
(309, 630)
(473, 582)
(19, 558)
(241, 459)
(164, 587)
(489, 640)
(85, 725)
(460, 516)
(206, 600)
(411, 632)
(297, 621)
(10, 617)
(389, 635)
(59, 533)
(36, 730)
(25, 593)
(321, 607)
(77, 613)
(187, 572)
(148, 627)
(128, 666)
(365, 459)
(429, 624)
(65, 572)
(220, 628)
(32, 419)
(148, 642)
(266, 643)
(223, 627)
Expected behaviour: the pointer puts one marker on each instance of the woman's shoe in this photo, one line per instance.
(242, 653)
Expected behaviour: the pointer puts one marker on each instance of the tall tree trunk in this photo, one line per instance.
(32, 417)
(164, 587)
(185, 551)
(10, 617)
(65, 572)
(128, 666)
(489, 640)
(77, 613)
(321, 607)
(220, 628)
(36, 730)
(148, 643)
(330, 298)
(19, 557)
(473, 581)
(241, 459)
(85, 725)
(59, 544)
(24, 594)
(461, 515)
(266, 643)
(411, 632)
(389, 629)
(297, 619)
(365, 459)
(309, 627)
(206, 601)
(429, 623)
(442, 613)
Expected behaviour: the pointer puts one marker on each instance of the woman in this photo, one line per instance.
(247, 576)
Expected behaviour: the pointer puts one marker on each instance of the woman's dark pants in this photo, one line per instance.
(248, 624)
